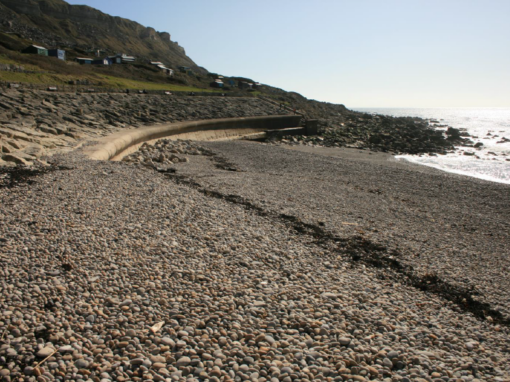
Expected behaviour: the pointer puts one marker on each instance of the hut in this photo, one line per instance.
(84, 60)
(102, 61)
(35, 49)
(185, 69)
(59, 53)
(122, 58)
(245, 85)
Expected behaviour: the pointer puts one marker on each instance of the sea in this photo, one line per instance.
(490, 126)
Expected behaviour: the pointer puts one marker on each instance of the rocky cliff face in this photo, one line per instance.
(57, 23)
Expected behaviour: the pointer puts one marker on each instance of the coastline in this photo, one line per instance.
(486, 157)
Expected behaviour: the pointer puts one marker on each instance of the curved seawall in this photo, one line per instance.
(114, 145)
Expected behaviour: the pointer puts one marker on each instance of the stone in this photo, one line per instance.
(183, 361)
(45, 352)
(81, 363)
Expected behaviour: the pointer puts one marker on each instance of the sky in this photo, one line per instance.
(360, 53)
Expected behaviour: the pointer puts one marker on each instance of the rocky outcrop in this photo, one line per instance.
(340, 127)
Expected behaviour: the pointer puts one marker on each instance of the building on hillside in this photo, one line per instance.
(217, 83)
(122, 58)
(162, 67)
(185, 69)
(84, 60)
(102, 61)
(35, 49)
(245, 85)
(166, 70)
(59, 53)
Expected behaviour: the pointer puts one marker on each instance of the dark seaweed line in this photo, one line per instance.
(372, 254)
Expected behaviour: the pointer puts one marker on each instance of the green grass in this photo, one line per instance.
(33, 78)
(96, 80)
(5, 60)
(125, 83)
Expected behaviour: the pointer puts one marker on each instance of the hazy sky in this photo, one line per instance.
(362, 53)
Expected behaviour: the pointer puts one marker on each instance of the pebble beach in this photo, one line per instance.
(241, 261)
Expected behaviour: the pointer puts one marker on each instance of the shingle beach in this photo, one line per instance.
(253, 262)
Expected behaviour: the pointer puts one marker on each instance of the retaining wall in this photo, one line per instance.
(113, 145)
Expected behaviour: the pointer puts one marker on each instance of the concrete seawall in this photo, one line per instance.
(112, 146)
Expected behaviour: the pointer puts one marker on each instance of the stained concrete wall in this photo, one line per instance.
(113, 145)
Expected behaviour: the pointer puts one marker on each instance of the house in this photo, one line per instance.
(102, 61)
(115, 59)
(34, 49)
(161, 66)
(168, 71)
(84, 60)
(59, 53)
(217, 83)
(245, 85)
(122, 59)
(185, 69)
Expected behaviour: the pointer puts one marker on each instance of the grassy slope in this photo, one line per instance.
(50, 71)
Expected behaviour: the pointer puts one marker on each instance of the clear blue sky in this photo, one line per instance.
(362, 53)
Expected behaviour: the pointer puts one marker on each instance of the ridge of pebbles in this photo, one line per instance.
(94, 257)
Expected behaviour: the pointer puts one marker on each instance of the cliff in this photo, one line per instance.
(55, 23)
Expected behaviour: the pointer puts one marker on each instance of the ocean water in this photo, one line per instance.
(486, 125)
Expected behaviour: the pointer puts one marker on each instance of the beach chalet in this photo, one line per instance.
(245, 85)
(161, 66)
(84, 60)
(34, 49)
(122, 59)
(185, 69)
(168, 71)
(102, 61)
(59, 53)
(217, 83)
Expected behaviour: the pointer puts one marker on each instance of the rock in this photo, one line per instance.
(16, 158)
(81, 363)
(183, 361)
(45, 352)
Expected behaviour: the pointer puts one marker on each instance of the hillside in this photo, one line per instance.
(55, 23)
